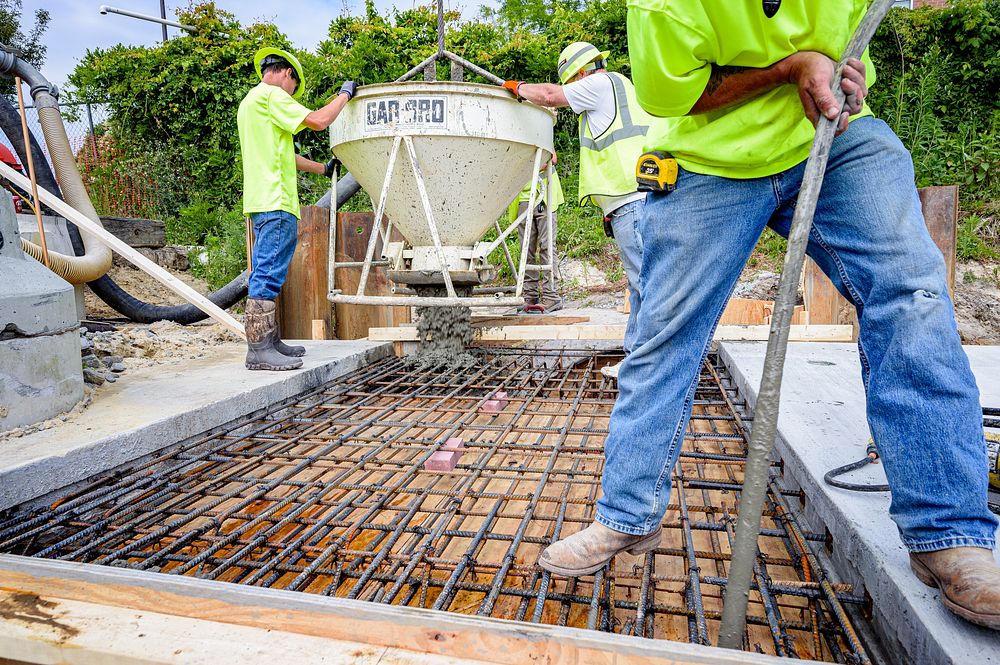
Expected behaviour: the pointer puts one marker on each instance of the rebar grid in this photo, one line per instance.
(329, 495)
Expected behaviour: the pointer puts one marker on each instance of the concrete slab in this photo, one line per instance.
(822, 425)
(155, 407)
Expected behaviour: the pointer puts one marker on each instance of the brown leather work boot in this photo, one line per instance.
(587, 551)
(969, 580)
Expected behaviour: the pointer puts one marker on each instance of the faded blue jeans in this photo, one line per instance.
(276, 233)
(869, 237)
(625, 225)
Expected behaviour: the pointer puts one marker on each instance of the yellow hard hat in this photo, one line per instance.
(576, 56)
(258, 59)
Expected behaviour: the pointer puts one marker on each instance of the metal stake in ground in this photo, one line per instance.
(765, 426)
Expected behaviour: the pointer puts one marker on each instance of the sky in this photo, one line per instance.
(77, 25)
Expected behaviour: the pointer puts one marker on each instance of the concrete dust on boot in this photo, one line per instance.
(444, 334)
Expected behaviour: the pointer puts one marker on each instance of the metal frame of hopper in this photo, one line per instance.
(481, 250)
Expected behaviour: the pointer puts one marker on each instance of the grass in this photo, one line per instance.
(974, 235)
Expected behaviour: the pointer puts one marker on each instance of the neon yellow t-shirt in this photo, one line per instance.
(267, 119)
(673, 45)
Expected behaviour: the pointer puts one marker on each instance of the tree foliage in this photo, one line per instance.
(938, 76)
(938, 71)
(26, 41)
(183, 95)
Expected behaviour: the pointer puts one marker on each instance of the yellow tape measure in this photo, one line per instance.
(656, 172)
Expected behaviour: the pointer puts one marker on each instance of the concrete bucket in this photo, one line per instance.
(442, 160)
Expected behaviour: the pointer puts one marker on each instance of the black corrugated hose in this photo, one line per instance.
(871, 457)
(105, 288)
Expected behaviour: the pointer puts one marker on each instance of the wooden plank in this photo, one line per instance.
(526, 333)
(940, 208)
(409, 628)
(53, 630)
(749, 312)
(527, 320)
(822, 300)
(304, 297)
(353, 321)
(745, 311)
(135, 258)
(137, 232)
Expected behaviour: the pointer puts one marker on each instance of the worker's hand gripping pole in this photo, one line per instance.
(765, 424)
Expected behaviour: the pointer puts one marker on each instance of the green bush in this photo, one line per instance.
(970, 244)
(221, 231)
(938, 76)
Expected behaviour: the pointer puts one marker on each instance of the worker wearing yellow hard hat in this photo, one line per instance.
(267, 119)
(613, 128)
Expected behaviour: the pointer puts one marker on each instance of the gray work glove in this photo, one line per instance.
(349, 87)
(329, 167)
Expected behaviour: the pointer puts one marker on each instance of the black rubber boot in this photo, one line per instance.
(287, 349)
(262, 330)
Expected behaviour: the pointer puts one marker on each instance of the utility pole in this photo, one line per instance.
(163, 17)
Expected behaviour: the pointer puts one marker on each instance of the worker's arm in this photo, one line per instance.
(811, 72)
(319, 168)
(322, 118)
(543, 94)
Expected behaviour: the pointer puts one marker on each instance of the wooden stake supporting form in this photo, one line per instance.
(251, 240)
(765, 427)
(31, 171)
(134, 257)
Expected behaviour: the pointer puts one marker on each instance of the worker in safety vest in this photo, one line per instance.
(746, 83)
(541, 292)
(612, 133)
(267, 119)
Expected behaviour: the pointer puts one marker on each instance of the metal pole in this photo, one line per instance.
(93, 134)
(105, 9)
(526, 231)
(755, 474)
(163, 17)
(440, 9)
(31, 172)
(549, 225)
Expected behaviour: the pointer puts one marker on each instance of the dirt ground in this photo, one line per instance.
(977, 302)
(977, 307)
(977, 294)
(143, 287)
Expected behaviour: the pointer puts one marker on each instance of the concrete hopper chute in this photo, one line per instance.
(441, 161)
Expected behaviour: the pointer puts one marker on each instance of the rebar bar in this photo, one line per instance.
(327, 493)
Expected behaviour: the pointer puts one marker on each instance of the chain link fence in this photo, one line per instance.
(116, 182)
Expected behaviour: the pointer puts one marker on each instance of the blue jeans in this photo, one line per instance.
(869, 237)
(625, 225)
(276, 234)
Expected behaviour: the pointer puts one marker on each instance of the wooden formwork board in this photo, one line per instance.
(55, 611)
(530, 333)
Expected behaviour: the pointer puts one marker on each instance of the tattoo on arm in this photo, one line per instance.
(718, 75)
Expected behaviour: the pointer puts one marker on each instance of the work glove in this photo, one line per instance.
(330, 166)
(512, 87)
(350, 88)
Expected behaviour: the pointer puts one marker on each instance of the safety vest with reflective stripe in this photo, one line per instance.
(607, 162)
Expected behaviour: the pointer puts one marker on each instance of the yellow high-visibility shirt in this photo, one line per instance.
(267, 119)
(673, 47)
